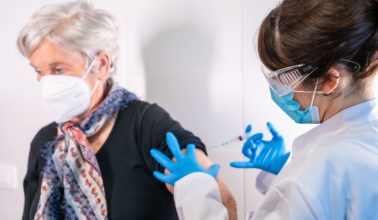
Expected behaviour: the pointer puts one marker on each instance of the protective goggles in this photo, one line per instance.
(284, 81)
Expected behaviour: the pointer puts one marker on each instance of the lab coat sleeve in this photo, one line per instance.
(263, 181)
(197, 197)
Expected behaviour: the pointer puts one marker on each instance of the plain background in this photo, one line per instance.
(195, 58)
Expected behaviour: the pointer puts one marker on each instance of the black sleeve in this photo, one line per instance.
(32, 180)
(155, 123)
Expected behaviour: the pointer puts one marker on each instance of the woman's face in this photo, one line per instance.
(50, 59)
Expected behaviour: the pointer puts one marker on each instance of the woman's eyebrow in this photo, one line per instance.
(55, 64)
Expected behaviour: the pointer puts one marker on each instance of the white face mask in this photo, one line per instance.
(67, 96)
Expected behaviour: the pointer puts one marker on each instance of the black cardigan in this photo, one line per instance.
(125, 162)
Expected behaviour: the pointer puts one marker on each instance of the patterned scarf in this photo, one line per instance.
(72, 186)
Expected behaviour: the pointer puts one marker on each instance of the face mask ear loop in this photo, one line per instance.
(89, 69)
(314, 93)
(95, 87)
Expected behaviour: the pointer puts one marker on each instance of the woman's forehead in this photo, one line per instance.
(48, 53)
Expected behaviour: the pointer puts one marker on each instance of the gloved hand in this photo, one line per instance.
(270, 156)
(184, 165)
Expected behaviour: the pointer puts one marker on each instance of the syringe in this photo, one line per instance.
(233, 140)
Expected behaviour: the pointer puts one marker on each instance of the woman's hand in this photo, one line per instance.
(270, 156)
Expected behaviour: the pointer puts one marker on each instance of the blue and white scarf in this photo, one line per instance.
(72, 186)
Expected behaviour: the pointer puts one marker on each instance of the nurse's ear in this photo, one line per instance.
(330, 81)
(103, 65)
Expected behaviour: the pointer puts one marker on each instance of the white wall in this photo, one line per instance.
(195, 58)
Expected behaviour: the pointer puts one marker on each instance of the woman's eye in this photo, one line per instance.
(59, 70)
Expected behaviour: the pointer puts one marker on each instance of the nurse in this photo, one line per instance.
(320, 59)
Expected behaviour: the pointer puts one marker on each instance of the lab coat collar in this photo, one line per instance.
(349, 117)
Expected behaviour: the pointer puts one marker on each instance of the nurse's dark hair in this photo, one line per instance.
(321, 33)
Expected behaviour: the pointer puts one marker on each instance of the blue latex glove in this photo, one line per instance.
(184, 165)
(270, 156)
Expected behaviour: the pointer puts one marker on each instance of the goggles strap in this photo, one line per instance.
(315, 91)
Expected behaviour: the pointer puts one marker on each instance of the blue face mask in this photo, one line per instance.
(291, 108)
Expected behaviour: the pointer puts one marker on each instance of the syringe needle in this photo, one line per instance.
(233, 140)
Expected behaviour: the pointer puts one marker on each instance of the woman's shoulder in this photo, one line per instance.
(141, 104)
(45, 134)
(141, 109)
(335, 156)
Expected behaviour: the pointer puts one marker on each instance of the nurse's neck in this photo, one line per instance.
(345, 97)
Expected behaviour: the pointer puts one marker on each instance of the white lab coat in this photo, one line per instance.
(201, 203)
(333, 174)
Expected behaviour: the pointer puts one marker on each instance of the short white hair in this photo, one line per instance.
(76, 25)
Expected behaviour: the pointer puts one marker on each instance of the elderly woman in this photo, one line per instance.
(322, 57)
(93, 162)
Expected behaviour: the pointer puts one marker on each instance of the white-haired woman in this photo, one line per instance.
(93, 162)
